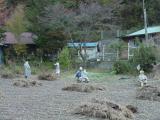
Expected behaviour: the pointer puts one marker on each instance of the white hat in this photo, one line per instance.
(141, 72)
(80, 68)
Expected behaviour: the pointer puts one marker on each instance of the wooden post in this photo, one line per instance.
(103, 51)
(145, 21)
(118, 51)
(128, 50)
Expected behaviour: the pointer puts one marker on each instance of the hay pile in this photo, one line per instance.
(104, 110)
(148, 93)
(82, 88)
(27, 83)
(132, 108)
(48, 77)
(7, 76)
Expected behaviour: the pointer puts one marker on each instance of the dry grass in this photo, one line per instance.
(148, 93)
(6, 73)
(7, 76)
(105, 110)
(82, 88)
(132, 108)
(26, 83)
(48, 77)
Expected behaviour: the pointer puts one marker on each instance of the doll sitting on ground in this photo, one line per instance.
(81, 75)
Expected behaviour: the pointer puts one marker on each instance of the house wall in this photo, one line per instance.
(123, 54)
(91, 52)
(132, 43)
(9, 55)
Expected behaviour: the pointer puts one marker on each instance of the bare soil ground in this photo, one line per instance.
(50, 102)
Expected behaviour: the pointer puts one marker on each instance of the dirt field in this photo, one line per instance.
(50, 102)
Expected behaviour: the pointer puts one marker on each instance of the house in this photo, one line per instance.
(91, 48)
(25, 38)
(100, 54)
(139, 36)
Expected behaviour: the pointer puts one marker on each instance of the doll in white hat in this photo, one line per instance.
(142, 78)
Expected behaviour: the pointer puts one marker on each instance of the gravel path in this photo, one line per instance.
(49, 102)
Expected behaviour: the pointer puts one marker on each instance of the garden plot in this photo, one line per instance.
(50, 102)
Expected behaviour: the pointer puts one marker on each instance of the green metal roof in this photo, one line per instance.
(87, 44)
(150, 30)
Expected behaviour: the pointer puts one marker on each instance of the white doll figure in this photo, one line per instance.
(142, 78)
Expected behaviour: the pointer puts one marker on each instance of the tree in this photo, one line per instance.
(17, 23)
(2, 35)
(132, 13)
(91, 18)
(20, 50)
(14, 2)
(145, 56)
(56, 23)
(34, 10)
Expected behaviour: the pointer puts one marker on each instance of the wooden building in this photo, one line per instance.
(132, 39)
(25, 38)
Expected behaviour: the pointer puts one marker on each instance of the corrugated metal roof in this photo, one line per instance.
(150, 30)
(87, 44)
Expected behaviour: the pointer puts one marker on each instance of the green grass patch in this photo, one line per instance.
(94, 75)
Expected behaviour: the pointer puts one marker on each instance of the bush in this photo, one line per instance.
(145, 56)
(18, 70)
(64, 58)
(121, 67)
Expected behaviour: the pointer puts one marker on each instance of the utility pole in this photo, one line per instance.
(145, 21)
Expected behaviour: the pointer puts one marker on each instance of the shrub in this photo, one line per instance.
(144, 56)
(121, 67)
(20, 50)
(75, 60)
(34, 70)
(18, 69)
(64, 58)
(2, 36)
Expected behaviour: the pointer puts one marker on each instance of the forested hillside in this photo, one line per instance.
(56, 21)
